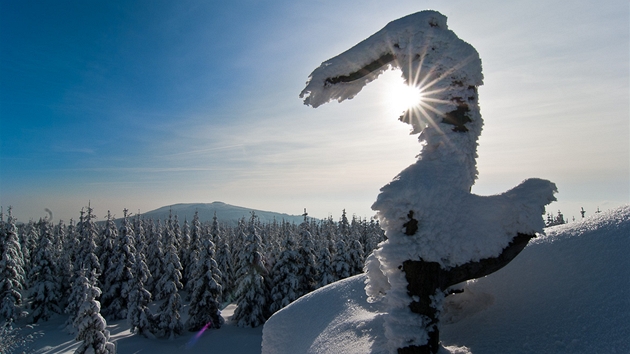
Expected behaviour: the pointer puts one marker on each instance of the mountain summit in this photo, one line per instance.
(226, 213)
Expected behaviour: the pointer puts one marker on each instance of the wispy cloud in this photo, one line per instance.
(202, 151)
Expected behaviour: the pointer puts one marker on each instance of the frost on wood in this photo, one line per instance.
(438, 233)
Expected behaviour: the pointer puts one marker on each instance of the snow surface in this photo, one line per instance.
(228, 339)
(567, 292)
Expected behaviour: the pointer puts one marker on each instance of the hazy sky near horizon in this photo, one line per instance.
(144, 104)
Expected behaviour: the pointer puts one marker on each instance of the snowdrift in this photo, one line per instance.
(567, 292)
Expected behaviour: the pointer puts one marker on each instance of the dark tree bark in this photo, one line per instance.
(426, 278)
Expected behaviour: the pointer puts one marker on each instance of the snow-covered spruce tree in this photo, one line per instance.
(355, 257)
(285, 274)
(251, 292)
(119, 277)
(60, 233)
(329, 235)
(325, 273)
(177, 242)
(224, 263)
(86, 263)
(341, 261)
(194, 243)
(141, 320)
(65, 263)
(86, 257)
(140, 232)
(177, 231)
(308, 260)
(30, 240)
(271, 244)
(374, 236)
(107, 252)
(239, 240)
(184, 252)
(171, 265)
(12, 277)
(438, 232)
(155, 255)
(206, 294)
(192, 254)
(90, 326)
(344, 226)
(169, 322)
(45, 292)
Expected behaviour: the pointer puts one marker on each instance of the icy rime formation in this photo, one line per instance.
(438, 233)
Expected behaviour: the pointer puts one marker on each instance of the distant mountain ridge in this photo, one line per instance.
(226, 213)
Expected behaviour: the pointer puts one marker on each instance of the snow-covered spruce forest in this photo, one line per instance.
(96, 272)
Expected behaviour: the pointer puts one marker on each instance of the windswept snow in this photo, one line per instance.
(567, 292)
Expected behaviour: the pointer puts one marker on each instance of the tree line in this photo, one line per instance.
(93, 272)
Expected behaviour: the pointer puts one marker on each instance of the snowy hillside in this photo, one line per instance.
(226, 213)
(567, 292)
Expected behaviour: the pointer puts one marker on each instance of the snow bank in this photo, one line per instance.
(567, 292)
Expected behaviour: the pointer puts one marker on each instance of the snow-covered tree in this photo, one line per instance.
(140, 232)
(239, 240)
(308, 260)
(140, 319)
(86, 257)
(285, 275)
(344, 226)
(251, 292)
(325, 273)
(169, 323)
(224, 263)
(107, 252)
(155, 255)
(45, 293)
(86, 263)
(12, 276)
(215, 230)
(65, 257)
(553, 221)
(119, 277)
(173, 231)
(91, 327)
(206, 294)
(184, 250)
(28, 244)
(355, 257)
(171, 267)
(439, 234)
(193, 251)
(341, 262)
(374, 236)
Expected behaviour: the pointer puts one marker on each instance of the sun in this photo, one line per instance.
(401, 97)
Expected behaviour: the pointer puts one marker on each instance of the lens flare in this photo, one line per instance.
(196, 337)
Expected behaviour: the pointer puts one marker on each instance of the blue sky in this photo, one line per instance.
(150, 103)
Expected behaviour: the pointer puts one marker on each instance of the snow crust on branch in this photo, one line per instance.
(421, 46)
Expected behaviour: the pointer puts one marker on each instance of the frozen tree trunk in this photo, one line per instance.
(438, 232)
(427, 279)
